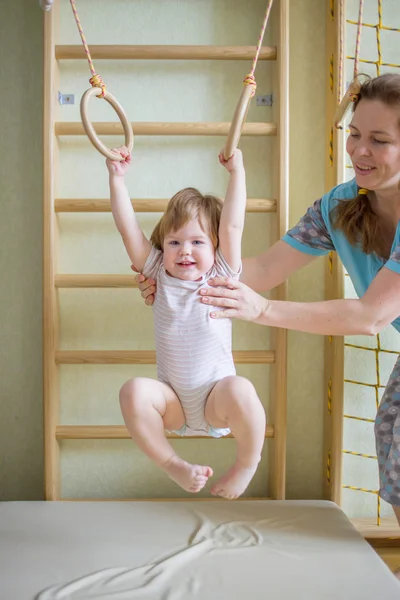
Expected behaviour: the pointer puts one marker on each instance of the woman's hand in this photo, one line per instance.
(237, 300)
(147, 287)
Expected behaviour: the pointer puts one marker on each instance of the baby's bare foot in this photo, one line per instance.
(233, 484)
(191, 478)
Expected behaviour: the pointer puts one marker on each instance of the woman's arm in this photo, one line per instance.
(368, 315)
(273, 267)
(307, 240)
(261, 273)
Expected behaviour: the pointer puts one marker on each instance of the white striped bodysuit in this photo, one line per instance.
(193, 351)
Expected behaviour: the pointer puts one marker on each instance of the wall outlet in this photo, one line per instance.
(66, 98)
(264, 100)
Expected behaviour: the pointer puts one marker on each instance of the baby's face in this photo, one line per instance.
(189, 252)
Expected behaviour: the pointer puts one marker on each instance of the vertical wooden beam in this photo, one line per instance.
(50, 307)
(334, 279)
(278, 395)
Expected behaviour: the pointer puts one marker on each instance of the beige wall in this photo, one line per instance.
(21, 43)
(20, 218)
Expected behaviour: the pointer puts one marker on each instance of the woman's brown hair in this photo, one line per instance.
(356, 217)
(186, 205)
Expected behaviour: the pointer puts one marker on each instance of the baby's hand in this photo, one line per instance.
(119, 168)
(234, 163)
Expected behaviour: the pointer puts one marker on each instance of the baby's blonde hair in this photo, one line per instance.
(186, 205)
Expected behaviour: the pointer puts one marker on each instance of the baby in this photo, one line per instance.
(197, 391)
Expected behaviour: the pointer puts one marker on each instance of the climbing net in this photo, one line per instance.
(367, 364)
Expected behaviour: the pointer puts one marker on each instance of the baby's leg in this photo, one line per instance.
(234, 403)
(149, 407)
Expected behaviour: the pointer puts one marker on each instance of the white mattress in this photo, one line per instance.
(213, 550)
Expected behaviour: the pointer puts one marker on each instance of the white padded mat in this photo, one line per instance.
(213, 550)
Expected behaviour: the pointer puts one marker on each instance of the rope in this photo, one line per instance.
(355, 84)
(261, 37)
(358, 39)
(250, 79)
(371, 350)
(353, 90)
(341, 51)
(378, 38)
(328, 467)
(379, 27)
(376, 386)
(359, 489)
(359, 454)
(95, 80)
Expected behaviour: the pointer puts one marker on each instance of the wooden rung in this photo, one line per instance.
(111, 128)
(149, 205)
(148, 357)
(95, 281)
(179, 499)
(118, 432)
(170, 52)
(379, 536)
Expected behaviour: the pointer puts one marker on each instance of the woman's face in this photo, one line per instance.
(374, 145)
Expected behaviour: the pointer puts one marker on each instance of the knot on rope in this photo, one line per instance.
(96, 81)
(250, 80)
(354, 89)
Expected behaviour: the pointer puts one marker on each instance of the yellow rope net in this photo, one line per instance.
(354, 29)
(378, 388)
(379, 28)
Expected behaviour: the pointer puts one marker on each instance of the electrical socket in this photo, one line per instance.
(66, 98)
(265, 100)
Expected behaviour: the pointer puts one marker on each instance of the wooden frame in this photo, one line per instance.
(250, 129)
(150, 205)
(278, 206)
(119, 432)
(171, 52)
(50, 240)
(147, 357)
(334, 346)
(278, 385)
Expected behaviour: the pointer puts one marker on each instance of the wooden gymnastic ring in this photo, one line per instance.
(238, 120)
(347, 101)
(90, 132)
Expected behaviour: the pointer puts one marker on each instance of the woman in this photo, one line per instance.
(360, 220)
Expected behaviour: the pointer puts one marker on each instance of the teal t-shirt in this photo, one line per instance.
(315, 234)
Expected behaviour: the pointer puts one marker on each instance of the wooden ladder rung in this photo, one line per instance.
(385, 534)
(179, 499)
(162, 52)
(148, 357)
(95, 281)
(119, 432)
(146, 205)
(141, 128)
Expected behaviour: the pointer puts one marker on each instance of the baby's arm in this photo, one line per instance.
(233, 211)
(137, 245)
